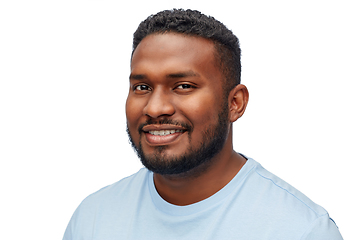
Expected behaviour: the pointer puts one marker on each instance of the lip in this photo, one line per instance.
(157, 140)
(158, 127)
(161, 140)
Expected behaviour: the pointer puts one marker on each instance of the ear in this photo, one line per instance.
(238, 99)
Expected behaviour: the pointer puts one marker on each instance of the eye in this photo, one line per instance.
(141, 88)
(184, 86)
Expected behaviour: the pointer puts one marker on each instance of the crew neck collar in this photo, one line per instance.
(209, 202)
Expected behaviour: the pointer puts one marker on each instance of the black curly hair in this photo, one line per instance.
(194, 23)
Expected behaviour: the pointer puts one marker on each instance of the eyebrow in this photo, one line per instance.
(171, 75)
(137, 76)
(182, 74)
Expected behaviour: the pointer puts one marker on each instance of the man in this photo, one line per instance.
(184, 95)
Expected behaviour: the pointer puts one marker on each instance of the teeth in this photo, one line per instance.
(164, 132)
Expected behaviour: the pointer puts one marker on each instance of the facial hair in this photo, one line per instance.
(213, 141)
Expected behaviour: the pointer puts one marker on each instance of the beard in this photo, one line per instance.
(193, 160)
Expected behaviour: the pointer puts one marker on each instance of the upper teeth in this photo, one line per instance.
(164, 132)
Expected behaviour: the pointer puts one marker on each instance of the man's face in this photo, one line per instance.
(177, 115)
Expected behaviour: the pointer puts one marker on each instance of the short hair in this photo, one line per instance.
(194, 23)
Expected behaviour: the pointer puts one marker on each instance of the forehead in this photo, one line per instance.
(175, 52)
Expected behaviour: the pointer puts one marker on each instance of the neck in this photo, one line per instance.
(201, 183)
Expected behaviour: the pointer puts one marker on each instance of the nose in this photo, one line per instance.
(159, 104)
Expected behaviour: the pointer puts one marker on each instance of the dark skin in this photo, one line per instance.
(178, 77)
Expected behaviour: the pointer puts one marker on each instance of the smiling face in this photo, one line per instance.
(177, 115)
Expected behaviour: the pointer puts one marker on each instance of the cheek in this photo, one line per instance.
(133, 110)
(201, 111)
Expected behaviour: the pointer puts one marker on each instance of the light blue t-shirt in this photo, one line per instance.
(255, 204)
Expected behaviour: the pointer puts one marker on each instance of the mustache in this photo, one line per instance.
(186, 126)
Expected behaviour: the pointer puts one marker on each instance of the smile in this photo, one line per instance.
(164, 132)
(159, 135)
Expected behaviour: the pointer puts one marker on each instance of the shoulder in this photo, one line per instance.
(126, 185)
(120, 193)
(284, 189)
(104, 202)
(285, 207)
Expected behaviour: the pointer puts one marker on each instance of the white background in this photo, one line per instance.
(64, 68)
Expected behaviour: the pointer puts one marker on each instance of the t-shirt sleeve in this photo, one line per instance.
(67, 235)
(323, 228)
(78, 227)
